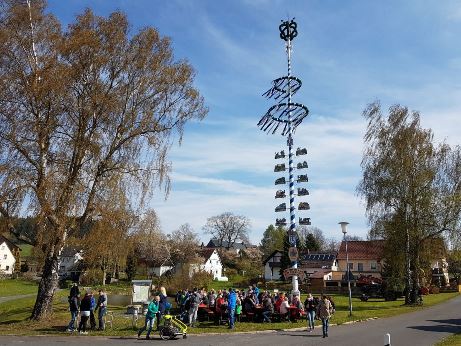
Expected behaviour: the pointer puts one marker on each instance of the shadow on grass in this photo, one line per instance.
(53, 329)
(11, 316)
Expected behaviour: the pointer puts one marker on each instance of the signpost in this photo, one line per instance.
(293, 254)
(290, 272)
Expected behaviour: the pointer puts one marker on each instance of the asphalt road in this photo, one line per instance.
(424, 327)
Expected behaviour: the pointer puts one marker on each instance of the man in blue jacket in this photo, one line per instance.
(231, 304)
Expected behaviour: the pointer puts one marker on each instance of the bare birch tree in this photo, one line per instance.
(80, 109)
(412, 187)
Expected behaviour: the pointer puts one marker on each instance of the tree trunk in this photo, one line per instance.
(104, 276)
(407, 269)
(43, 307)
(416, 276)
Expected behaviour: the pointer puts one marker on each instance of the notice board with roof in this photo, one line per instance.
(141, 290)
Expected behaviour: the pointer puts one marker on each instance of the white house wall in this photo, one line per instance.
(68, 263)
(271, 273)
(213, 265)
(7, 259)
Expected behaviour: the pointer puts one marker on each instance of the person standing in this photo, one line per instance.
(85, 308)
(310, 307)
(256, 293)
(324, 312)
(92, 308)
(231, 305)
(238, 309)
(73, 308)
(74, 290)
(218, 308)
(211, 298)
(162, 307)
(193, 308)
(152, 310)
(102, 306)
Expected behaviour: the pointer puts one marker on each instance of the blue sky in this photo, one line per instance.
(347, 53)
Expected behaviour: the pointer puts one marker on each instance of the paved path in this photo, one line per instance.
(8, 298)
(421, 328)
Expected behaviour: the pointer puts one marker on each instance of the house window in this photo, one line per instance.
(7, 268)
(351, 266)
(373, 265)
(360, 267)
(4, 256)
(3, 247)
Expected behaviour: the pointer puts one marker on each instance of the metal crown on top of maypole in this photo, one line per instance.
(286, 116)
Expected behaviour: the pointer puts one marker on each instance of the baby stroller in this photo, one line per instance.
(172, 328)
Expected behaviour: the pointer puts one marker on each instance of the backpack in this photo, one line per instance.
(167, 306)
(195, 300)
(187, 303)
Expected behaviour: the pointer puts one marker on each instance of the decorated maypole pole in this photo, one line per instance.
(286, 116)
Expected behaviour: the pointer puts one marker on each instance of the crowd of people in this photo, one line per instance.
(226, 305)
(255, 304)
(86, 306)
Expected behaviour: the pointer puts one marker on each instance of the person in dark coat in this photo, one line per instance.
(102, 306)
(73, 308)
(85, 308)
(162, 306)
(92, 318)
(74, 290)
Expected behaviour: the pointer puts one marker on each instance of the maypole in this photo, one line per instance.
(287, 115)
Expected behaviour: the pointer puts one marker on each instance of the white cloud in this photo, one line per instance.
(199, 191)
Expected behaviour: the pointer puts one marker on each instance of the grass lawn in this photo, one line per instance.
(454, 340)
(14, 314)
(13, 287)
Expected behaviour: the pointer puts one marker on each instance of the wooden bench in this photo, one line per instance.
(276, 316)
(249, 316)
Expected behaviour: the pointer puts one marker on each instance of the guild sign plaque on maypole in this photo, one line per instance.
(293, 254)
(292, 237)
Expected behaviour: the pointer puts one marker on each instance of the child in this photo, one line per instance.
(238, 309)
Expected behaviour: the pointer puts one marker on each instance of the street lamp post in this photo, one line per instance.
(344, 230)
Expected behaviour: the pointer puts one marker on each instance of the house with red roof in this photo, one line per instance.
(365, 258)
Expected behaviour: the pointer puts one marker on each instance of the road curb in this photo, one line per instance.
(267, 331)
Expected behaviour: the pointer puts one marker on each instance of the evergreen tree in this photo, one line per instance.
(272, 240)
(311, 243)
(130, 269)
